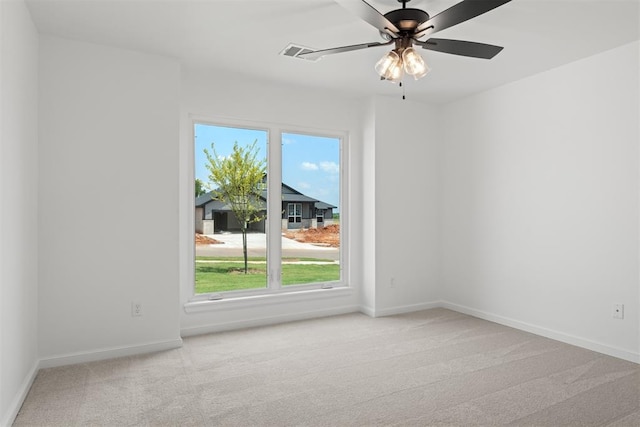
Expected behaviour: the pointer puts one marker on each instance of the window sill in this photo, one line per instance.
(233, 303)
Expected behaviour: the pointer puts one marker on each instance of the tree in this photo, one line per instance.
(237, 181)
(199, 186)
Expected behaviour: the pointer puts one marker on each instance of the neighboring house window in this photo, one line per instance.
(306, 168)
(295, 212)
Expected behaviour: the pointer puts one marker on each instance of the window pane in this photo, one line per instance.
(311, 234)
(230, 208)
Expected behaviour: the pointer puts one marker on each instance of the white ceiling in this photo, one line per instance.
(245, 37)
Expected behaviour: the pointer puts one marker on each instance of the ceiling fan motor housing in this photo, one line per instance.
(407, 20)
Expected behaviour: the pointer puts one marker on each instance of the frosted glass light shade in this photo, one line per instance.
(395, 73)
(414, 64)
(389, 66)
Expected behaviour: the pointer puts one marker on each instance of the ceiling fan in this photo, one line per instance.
(405, 27)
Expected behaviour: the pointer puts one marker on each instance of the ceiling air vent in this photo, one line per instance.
(293, 50)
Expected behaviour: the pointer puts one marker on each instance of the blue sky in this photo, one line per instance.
(310, 164)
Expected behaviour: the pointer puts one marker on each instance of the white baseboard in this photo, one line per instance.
(548, 333)
(369, 311)
(270, 320)
(399, 309)
(108, 353)
(8, 418)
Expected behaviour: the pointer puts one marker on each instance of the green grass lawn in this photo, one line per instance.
(228, 273)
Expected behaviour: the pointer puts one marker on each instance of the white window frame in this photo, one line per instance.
(196, 302)
(294, 216)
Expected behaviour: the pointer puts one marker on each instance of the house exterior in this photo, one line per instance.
(298, 211)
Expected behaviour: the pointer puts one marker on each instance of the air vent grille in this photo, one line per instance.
(294, 50)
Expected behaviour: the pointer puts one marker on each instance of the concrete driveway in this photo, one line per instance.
(256, 246)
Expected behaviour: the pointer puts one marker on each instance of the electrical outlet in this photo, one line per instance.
(618, 311)
(136, 309)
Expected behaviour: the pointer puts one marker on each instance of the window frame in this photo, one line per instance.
(295, 216)
(273, 286)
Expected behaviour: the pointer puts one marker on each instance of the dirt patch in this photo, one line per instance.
(201, 239)
(327, 236)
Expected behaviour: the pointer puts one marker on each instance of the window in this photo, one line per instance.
(311, 182)
(295, 212)
(267, 213)
(231, 209)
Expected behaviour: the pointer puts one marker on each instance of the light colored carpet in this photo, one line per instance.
(434, 367)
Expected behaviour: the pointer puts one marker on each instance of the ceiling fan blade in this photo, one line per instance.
(370, 14)
(320, 53)
(456, 14)
(461, 47)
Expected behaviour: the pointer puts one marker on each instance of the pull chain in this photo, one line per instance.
(402, 86)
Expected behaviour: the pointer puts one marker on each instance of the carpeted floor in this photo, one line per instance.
(434, 367)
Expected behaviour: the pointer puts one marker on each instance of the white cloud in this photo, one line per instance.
(330, 167)
(308, 166)
(287, 141)
(304, 185)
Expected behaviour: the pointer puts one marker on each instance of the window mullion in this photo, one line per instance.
(274, 206)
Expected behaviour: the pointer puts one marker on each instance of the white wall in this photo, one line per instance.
(109, 129)
(18, 206)
(406, 206)
(234, 97)
(540, 202)
(367, 199)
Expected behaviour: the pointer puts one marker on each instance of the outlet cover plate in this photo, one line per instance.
(136, 309)
(618, 311)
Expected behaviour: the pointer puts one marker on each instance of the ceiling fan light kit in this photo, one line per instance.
(404, 27)
(394, 64)
(389, 67)
(414, 65)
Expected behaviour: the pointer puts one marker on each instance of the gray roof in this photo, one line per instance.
(290, 196)
(323, 205)
(217, 205)
(204, 199)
